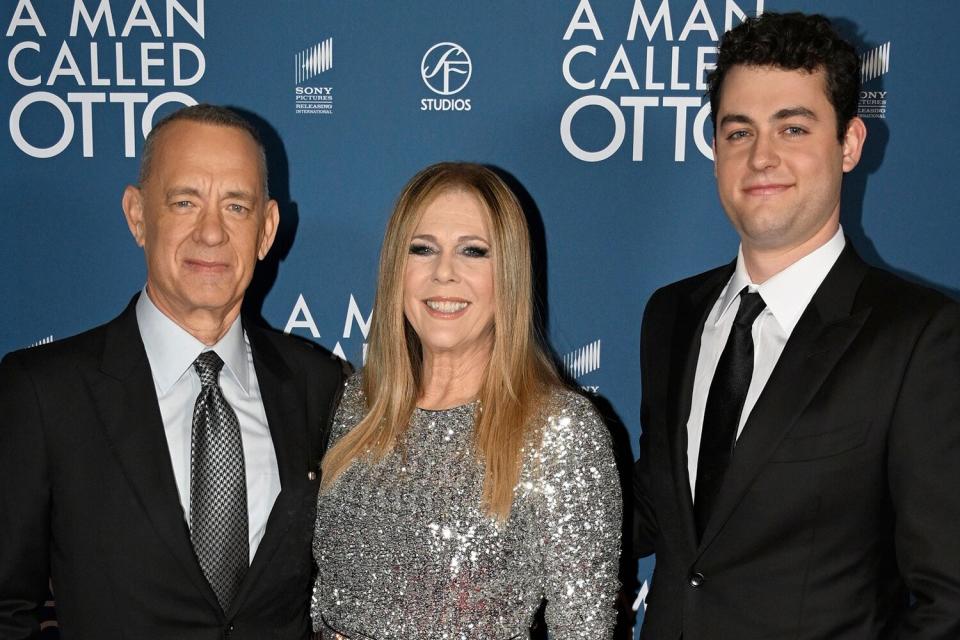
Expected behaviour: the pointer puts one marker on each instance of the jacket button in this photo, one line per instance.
(696, 579)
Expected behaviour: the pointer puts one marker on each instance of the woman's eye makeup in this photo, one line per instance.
(475, 251)
(420, 249)
(469, 251)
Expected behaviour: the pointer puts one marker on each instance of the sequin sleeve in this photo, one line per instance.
(582, 510)
(348, 414)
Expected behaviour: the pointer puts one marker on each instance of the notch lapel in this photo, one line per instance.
(826, 329)
(685, 350)
(285, 407)
(126, 399)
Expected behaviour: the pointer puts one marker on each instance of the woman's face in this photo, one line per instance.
(448, 291)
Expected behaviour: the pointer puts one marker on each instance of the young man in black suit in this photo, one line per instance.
(161, 469)
(799, 472)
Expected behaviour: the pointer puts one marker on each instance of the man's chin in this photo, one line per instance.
(766, 237)
(217, 304)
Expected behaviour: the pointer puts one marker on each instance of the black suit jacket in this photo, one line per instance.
(839, 517)
(88, 496)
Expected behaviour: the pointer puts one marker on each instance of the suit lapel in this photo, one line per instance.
(821, 337)
(685, 349)
(285, 410)
(125, 395)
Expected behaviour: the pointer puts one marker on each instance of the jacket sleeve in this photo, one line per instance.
(24, 504)
(644, 517)
(924, 477)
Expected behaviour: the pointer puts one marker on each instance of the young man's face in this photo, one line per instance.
(779, 164)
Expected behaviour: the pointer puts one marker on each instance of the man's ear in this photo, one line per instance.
(271, 222)
(853, 139)
(132, 203)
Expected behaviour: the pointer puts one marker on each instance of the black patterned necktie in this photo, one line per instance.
(218, 487)
(721, 418)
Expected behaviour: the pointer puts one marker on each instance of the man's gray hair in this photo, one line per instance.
(206, 114)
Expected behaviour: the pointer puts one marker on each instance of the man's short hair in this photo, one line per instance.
(206, 114)
(792, 41)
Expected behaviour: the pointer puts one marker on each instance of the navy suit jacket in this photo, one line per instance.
(839, 516)
(88, 496)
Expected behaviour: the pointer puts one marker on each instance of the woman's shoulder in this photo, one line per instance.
(571, 421)
(563, 397)
(563, 402)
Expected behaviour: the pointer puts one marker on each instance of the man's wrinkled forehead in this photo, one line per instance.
(159, 148)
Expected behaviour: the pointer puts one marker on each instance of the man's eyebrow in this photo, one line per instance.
(183, 191)
(794, 112)
(240, 194)
(735, 118)
(782, 114)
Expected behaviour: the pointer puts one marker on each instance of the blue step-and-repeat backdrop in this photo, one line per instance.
(595, 109)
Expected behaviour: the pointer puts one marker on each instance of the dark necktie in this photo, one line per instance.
(218, 487)
(728, 390)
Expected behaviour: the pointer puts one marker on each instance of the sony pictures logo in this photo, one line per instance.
(41, 341)
(446, 69)
(874, 64)
(582, 361)
(312, 98)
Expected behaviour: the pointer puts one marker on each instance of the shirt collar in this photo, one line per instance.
(171, 350)
(789, 292)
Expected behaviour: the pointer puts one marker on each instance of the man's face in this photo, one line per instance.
(779, 164)
(203, 220)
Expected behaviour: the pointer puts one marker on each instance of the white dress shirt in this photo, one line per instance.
(787, 294)
(171, 352)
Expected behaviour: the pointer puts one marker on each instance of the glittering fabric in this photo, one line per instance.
(405, 550)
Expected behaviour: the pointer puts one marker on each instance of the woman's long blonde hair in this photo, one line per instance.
(519, 374)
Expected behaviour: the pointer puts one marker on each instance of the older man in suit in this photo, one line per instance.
(161, 469)
(799, 473)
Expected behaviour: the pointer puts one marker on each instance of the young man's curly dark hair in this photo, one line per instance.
(792, 41)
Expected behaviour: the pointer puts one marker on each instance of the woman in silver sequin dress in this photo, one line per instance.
(464, 484)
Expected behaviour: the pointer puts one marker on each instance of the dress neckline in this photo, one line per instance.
(472, 404)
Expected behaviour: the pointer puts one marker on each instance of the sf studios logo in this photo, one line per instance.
(446, 69)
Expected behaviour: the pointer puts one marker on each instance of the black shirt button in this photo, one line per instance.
(696, 579)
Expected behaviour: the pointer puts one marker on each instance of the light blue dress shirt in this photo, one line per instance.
(171, 352)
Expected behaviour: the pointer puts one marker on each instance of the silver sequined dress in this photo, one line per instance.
(404, 549)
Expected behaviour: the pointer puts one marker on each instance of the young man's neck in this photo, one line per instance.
(762, 263)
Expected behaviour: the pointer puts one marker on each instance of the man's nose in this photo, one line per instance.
(210, 229)
(763, 154)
